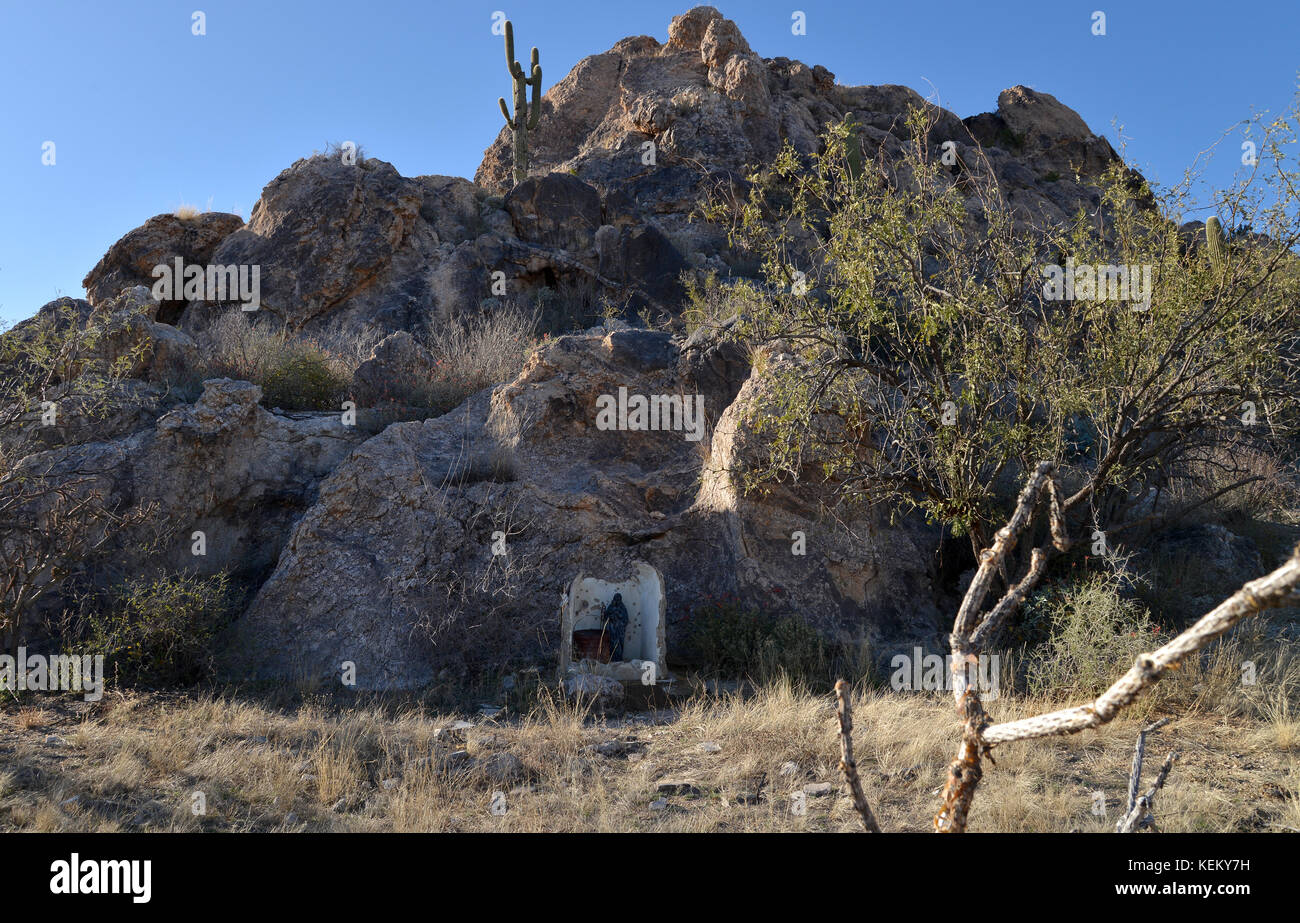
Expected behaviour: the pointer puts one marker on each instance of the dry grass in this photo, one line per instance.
(295, 372)
(298, 372)
(135, 762)
(479, 351)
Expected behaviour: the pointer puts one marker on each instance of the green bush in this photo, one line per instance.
(295, 373)
(161, 631)
(1093, 635)
(304, 378)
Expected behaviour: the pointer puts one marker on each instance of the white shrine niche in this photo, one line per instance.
(582, 608)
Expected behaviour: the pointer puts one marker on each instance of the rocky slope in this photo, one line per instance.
(347, 246)
(380, 549)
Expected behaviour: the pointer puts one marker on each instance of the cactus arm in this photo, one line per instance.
(536, 81)
(505, 109)
(510, 47)
(1215, 245)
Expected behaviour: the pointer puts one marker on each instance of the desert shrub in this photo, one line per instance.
(477, 352)
(1093, 630)
(52, 521)
(295, 373)
(709, 301)
(734, 641)
(478, 620)
(334, 150)
(1208, 479)
(305, 377)
(161, 631)
(236, 346)
(574, 301)
(932, 366)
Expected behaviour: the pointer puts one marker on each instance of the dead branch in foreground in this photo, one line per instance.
(1270, 591)
(971, 632)
(1137, 812)
(847, 764)
(965, 773)
(1278, 588)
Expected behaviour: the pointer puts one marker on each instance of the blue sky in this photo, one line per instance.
(146, 116)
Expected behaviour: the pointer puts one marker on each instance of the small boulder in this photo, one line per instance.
(503, 768)
(397, 367)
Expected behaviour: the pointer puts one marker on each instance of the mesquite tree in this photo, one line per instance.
(936, 343)
(928, 345)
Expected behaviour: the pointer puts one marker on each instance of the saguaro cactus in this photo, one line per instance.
(524, 120)
(1215, 245)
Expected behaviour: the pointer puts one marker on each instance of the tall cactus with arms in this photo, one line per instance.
(524, 119)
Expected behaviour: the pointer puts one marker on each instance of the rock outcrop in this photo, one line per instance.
(222, 465)
(705, 109)
(159, 241)
(629, 144)
(444, 544)
(375, 572)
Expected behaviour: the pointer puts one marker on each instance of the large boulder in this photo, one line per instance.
(446, 544)
(159, 241)
(557, 210)
(114, 374)
(113, 409)
(1043, 133)
(136, 345)
(223, 466)
(325, 233)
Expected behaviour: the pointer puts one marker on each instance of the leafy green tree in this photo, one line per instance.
(921, 360)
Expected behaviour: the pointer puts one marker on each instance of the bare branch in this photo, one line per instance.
(1139, 816)
(1276, 589)
(965, 773)
(1135, 774)
(847, 764)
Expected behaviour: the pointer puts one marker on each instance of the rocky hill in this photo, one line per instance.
(375, 547)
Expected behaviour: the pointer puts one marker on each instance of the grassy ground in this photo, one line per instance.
(135, 761)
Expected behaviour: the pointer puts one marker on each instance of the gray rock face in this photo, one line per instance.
(160, 240)
(396, 365)
(711, 109)
(223, 466)
(144, 347)
(557, 210)
(629, 144)
(133, 357)
(325, 233)
(123, 407)
(374, 573)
